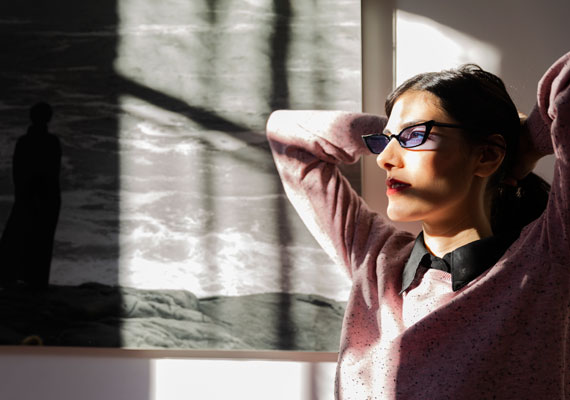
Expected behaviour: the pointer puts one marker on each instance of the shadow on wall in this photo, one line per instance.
(63, 53)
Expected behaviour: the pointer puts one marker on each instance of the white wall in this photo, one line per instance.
(517, 39)
(93, 374)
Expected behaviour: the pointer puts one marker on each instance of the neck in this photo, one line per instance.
(441, 239)
(37, 128)
(460, 224)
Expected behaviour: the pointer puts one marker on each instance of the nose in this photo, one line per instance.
(391, 156)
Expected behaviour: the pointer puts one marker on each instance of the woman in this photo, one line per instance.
(477, 306)
(26, 246)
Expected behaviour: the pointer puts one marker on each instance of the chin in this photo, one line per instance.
(402, 219)
(397, 217)
(401, 215)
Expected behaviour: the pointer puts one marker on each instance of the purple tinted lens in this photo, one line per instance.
(413, 136)
(377, 143)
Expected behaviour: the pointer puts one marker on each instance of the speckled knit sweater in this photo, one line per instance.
(503, 336)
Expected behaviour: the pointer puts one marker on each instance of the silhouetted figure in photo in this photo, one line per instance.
(27, 243)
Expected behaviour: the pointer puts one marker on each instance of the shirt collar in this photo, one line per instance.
(464, 263)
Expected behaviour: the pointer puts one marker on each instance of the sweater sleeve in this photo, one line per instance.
(549, 124)
(307, 148)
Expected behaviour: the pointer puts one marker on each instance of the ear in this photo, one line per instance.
(490, 155)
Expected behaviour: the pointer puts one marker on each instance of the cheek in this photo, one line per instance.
(448, 180)
(436, 181)
(420, 198)
(453, 169)
(426, 169)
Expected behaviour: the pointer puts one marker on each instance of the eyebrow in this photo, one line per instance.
(405, 125)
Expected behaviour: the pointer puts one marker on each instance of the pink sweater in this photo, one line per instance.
(503, 336)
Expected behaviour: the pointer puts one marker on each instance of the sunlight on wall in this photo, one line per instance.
(221, 379)
(163, 165)
(324, 55)
(195, 51)
(202, 208)
(198, 81)
(426, 45)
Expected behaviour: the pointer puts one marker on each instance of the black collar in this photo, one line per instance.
(464, 263)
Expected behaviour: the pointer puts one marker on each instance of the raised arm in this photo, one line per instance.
(549, 128)
(307, 147)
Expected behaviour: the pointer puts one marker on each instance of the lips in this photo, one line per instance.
(395, 186)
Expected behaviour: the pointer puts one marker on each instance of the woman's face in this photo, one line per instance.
(435, 185)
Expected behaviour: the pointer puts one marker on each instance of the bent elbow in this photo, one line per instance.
(273, 122)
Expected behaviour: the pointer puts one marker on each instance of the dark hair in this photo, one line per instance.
(41, 113)
(479, 100)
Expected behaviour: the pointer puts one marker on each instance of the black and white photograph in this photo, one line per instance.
(140, 206)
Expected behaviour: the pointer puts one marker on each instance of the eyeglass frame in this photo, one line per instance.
(428, 124)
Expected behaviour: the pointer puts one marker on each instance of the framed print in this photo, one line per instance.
(172, 229)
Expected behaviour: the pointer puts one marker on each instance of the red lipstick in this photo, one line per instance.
(394, 186)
